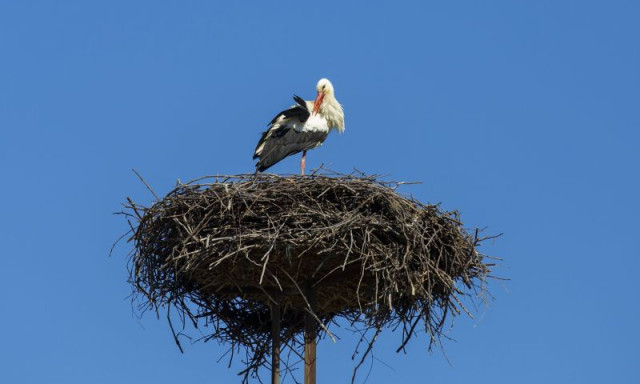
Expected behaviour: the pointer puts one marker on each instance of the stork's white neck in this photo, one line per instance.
(332, 111)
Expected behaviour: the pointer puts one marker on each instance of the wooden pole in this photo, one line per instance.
(310, 327)
(275, 340)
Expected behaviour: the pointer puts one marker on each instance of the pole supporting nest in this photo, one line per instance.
(275, 339)
(310, 327)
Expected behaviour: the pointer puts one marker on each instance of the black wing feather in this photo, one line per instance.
(299, 111)
(300, 101)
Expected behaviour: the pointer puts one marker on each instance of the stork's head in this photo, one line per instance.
(324, 88)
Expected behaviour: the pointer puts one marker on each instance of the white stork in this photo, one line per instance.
(302, 127)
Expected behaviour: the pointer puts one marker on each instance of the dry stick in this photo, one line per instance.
(310, 339)
(275, 339)
(366, 353)
(146, 184)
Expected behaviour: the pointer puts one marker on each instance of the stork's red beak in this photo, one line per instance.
(318, 102)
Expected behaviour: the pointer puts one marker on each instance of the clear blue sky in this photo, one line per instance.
(524, 115)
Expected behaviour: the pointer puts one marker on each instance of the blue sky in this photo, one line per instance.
(521, 114)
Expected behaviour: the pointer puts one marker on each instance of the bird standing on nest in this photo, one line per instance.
(302, 127)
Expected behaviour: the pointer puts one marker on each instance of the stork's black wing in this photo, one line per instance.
(277, 128)
(299, 111)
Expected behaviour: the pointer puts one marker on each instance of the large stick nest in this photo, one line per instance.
(222, 250)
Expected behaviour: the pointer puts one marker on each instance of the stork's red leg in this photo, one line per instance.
(303, 162)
